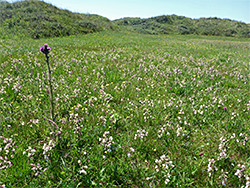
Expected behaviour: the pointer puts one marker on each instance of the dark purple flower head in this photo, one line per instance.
(45, 49)
(201, 154)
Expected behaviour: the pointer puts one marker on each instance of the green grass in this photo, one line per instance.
(132, 111)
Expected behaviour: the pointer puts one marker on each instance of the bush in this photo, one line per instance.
(182, 29)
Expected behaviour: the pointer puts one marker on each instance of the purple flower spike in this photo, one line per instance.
(45, 45)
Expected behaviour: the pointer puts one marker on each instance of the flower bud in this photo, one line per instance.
(41, 48)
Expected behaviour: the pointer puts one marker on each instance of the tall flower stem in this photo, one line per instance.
(51, 90)
(46, 49)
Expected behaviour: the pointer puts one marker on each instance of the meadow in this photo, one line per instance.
(132, 110)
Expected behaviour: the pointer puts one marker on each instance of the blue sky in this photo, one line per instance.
(114, 9)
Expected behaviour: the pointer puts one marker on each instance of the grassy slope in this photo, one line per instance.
(120, 82)
(182, 25)
(38, 19)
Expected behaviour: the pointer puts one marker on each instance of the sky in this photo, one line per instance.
(114, 9)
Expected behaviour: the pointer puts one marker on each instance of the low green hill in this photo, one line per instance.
(38, 19)
(173, 24)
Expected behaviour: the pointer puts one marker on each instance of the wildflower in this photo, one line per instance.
(165, 165)
(132, 149)
(211, 167)
(247, 182)
(240, 172)
(83, 172)
(149, 178)
(201, 154)
(140, 134)
(224, 107)
(45, 49)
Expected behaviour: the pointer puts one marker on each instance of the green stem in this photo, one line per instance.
(51, 91)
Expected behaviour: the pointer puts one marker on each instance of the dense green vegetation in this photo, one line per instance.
(131, 111)
(36, 19)
(181, 25)
(138, 102)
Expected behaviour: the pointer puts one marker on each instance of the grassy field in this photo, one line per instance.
(131, 111)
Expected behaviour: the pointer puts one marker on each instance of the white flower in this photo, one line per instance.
(166, 181)
(149, 178)
(83, 172)
(132, 149)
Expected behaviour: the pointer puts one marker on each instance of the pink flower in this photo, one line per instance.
(224, 107)
(201, 154)
(41, 48)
